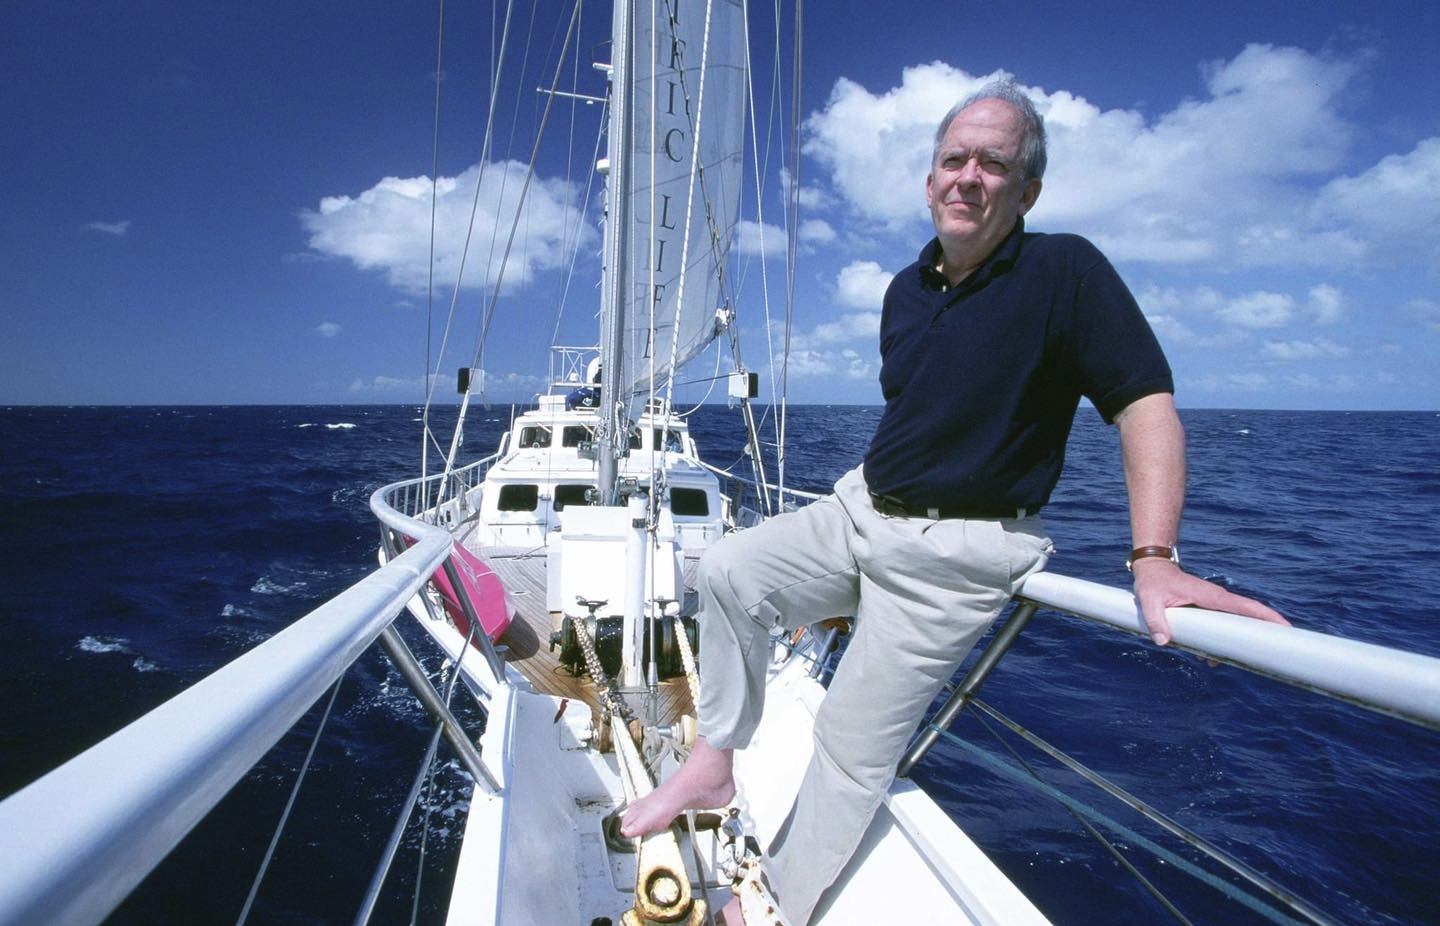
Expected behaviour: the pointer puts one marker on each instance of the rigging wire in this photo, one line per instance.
(425, 434)
(792, 227)
(489, 316)
(289, 805)
(1279, 894)
(489, 312)
(372, 894)
(1094, 833)
(578, 227)
(497, 58)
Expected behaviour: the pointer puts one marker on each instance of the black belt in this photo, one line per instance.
(894, 508)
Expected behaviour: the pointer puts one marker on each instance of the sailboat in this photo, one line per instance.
(555, 576)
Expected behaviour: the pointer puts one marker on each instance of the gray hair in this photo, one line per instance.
(1032, 146)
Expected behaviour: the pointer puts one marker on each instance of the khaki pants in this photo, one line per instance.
(922, 592)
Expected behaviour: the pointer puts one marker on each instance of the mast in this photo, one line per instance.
(611, 437)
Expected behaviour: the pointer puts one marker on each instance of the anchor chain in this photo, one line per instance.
(662, 884)
(613, 704)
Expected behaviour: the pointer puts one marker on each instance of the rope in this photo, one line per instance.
(692, 673)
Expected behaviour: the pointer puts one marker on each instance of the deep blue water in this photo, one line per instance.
(148, 546)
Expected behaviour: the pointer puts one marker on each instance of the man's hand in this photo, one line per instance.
(1161, 584)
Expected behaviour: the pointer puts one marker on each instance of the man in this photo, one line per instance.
(988, 343)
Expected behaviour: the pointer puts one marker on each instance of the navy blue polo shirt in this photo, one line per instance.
(982, 380)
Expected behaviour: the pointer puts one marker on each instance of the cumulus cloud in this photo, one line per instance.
(1323, 304)
(1246, 171)
(117, 229)
(387, 227)
(1326, 304)
(816, 231)
(388, 387)
(1232, 382)
(808, 197)
(876, 147)
(759, 239)
(862, 285)
(327, 329)
(856, 326)
(821, 364)
(1259, 310)
(1319, 349)
(1397, 200)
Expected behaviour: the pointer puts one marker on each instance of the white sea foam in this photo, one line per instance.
(142, 664)
(103, 644)
(268, 586)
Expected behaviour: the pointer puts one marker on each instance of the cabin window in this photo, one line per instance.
(534, 437)
(692, 502)
(575, 434)
(670, 440)
(571, 495)
(519, 497)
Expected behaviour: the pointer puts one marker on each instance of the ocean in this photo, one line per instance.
(150, 545)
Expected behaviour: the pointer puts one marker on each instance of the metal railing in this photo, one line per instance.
(748, 499)
(1388, 681)
(78, 840)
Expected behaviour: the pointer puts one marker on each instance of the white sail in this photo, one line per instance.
(681, 120)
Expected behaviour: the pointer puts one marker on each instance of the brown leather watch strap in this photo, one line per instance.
(1148, 552)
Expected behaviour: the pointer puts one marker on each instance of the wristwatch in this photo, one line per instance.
(1172, 553)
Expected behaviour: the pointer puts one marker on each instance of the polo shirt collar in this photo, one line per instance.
(1000, 260)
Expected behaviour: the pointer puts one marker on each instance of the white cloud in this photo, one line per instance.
(808, 197)
(327, 329)
(1155, 300)
(389, 386)
(1259, 310)
(816, 231)
(1204, 317)
(857, 326)
(117, 229)
(862, 285)
(387, 227)
(1244, 172)
(877, 147)
(759, 239)
(1396, 201)
(821, 364)
(1318, 349)
(1231, 382)
(1326, 304)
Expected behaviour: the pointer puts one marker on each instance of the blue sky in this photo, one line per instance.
(214, 203)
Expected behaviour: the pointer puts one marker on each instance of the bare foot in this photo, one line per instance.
(706, 780)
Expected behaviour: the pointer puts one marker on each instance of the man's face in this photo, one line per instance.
(976, 188)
